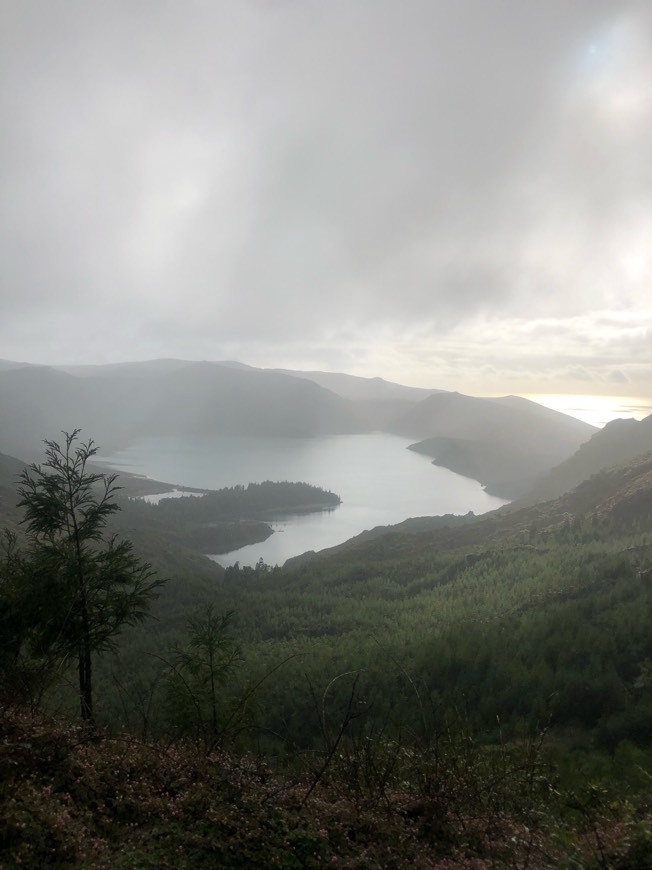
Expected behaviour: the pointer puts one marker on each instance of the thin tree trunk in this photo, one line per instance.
(85, 665)
(86, 685)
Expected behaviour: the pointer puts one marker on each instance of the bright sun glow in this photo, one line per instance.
(635, 265)
(614, 73)
(596, 410)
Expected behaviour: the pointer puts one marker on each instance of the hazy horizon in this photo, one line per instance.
(596, 409)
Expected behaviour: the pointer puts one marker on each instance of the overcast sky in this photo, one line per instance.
(445, 193)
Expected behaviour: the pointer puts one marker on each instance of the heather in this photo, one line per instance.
(73, 797)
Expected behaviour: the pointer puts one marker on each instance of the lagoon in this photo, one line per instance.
(379, 480)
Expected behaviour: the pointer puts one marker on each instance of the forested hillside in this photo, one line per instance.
(205, 521)
(437, 681)
(618, 442)
(506, 586)
(218, 521)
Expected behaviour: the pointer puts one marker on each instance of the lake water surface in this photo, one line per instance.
(379, 481)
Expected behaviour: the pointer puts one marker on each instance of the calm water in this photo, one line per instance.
(379, 481)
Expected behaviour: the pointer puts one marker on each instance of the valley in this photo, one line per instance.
(446, 656)
(326, 435)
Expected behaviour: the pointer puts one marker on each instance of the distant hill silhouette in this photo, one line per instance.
(377, 402)
(38, 402)
(6, 365)
(10, 468)
(504, 469)
(505, 443)
(354, 387)
(618, 442)
(149, 367)
(118, 405)
(207, 398)
(520, 421)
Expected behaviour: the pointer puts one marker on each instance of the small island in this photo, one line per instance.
(219, 521)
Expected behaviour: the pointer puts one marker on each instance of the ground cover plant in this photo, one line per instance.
(475, 696)
(75, 798)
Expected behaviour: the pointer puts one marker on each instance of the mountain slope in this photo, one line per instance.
(38, 402)
(511, 418)
(536, 616)
(506, 443)
(195, 399)
(504, 469)
(377, 402)
(209, 399)
(618, 442)
(354, 387)
(617, 499)
(148, 367)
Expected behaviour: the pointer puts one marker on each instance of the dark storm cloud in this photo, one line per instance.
(312, 182)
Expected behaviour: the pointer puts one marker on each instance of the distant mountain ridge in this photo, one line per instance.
(200, 398)
(503, 442)
(506, 443)
(455, 415)
(354, 387)
(620, 441)
(149, 367)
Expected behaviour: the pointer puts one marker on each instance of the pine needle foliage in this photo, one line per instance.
(82, 585)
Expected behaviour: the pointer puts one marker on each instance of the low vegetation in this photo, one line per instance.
(477, 694)
(74, 798)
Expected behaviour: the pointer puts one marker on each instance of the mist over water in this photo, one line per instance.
(379, 481)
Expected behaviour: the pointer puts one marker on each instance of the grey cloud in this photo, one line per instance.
(618, 377)
(229, 178)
